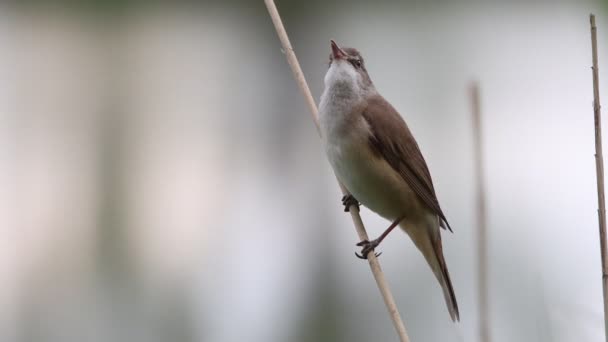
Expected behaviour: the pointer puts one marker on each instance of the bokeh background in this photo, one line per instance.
(162, 179)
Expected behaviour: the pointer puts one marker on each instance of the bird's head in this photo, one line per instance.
(347, 71)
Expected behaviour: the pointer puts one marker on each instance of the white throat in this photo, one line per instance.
(343, 80)
(344, 90)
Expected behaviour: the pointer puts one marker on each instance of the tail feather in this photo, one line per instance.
(428, 242)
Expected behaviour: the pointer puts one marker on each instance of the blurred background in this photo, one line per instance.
(162, 179)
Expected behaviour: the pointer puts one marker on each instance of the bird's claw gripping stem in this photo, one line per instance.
(347, 201)
(368, 246)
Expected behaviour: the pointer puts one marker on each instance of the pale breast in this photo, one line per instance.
(367, 176)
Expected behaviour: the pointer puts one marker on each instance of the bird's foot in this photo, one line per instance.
(368, 246)
(347, 201)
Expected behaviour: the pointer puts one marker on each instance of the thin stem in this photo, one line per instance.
(374, 264)
(599, 167)
(482, 234)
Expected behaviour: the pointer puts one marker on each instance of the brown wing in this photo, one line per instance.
(392, 139)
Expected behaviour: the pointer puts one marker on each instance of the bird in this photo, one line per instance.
(375, 156)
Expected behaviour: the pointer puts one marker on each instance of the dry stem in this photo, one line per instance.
(381, 281)
(599, 165)
(482, 238)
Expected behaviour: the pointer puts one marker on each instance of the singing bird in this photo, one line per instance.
(375, 156)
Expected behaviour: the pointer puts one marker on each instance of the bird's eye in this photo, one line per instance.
(355, 62)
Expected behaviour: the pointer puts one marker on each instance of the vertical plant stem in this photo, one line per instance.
(374, 264)
(599, 166)
(482, 234)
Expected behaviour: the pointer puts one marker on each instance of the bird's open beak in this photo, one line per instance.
(336, 51)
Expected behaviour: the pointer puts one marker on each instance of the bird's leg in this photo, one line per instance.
(348, 200)
(368, 246)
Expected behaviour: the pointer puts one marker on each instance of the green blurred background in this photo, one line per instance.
(162, 179)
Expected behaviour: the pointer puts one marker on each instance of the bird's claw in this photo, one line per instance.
(368, 246)
(347, 201)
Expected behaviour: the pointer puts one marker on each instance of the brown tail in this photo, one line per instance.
(428, 242)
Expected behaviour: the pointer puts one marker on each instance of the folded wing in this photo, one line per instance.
(392, 139)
